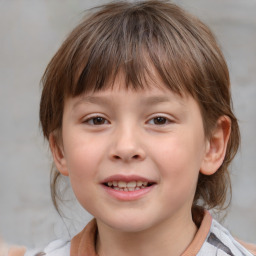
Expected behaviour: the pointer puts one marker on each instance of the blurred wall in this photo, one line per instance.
(30, 33)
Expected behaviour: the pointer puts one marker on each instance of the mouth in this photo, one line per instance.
(128, 187)
(135, 185)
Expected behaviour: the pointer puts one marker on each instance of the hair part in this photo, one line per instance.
(133, 38)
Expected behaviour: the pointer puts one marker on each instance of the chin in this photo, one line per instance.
(129, 224)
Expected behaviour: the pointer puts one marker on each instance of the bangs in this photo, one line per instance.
(147, 43)
(138, 43)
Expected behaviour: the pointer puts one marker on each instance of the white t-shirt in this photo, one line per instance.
(212, 239)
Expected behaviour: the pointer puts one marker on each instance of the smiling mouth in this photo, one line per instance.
(128, 186)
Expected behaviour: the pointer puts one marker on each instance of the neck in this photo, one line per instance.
(170, 237)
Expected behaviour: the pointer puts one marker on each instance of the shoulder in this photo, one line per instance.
(248, 246)
(8, 250)
(16, 251)
(55, 248)
(221, 242)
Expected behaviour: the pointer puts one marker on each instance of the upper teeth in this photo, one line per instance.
(130, 184)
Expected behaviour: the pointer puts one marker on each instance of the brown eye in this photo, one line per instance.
(98, 120)
(160, 120)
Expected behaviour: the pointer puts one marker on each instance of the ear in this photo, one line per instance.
(58, 155)
(216, 146)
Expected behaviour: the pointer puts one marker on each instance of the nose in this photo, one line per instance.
(127, 146)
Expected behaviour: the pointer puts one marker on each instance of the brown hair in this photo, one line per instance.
(126, 37)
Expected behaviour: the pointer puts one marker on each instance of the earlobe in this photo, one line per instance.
(216, 146)
(58, 155)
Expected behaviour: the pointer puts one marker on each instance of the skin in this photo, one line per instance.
(118, 131)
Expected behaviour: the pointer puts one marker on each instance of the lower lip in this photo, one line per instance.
(128, 195)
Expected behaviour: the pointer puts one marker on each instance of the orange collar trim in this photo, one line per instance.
(84, 243)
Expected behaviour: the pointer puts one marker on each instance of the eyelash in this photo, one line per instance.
(92, 119)
(159, 118)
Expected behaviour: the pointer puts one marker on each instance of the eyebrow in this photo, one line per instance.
(94, 99)
(151, 100)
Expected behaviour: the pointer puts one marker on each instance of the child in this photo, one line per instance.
(136, 106)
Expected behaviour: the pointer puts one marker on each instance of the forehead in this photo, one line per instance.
(117, 93)
(149, 82)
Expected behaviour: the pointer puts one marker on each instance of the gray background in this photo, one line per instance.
(30, 33)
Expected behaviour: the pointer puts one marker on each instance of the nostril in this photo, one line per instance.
(117, 157)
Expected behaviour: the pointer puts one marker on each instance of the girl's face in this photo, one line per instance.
(133, 158)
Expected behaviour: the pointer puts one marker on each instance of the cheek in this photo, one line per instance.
(83, 167)
(179, 161)
(178, 152)
(82, 157)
